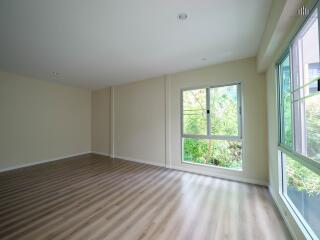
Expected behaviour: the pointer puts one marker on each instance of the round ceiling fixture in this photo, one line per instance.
(182, 16)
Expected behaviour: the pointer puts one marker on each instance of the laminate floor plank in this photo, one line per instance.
(96, 197)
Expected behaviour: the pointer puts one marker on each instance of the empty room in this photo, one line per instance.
(160, 120)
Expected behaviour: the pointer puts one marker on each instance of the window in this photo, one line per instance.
(211, 126)
(299, 125)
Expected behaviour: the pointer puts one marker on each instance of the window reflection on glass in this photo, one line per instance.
(286, 103)
(312, 128)
(306, 56)
(306, 72)
(224, 111)
(194, 112)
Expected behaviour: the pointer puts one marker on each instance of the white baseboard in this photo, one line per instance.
(140, 161)
(101, 153)
(239, 179)
(284, 217)
(233, 178)
(43, 161)
(223, 176)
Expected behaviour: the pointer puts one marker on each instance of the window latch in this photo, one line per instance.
(319, 85)
(208, 111)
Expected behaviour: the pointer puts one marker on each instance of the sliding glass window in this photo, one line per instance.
(211, 126)
(299, 125)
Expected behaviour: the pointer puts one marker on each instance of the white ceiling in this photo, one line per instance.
(97, 43)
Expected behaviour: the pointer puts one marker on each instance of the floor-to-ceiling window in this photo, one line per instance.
(211, 126)
(299, 125)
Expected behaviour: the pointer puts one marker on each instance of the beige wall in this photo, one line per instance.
(41, 121)
(146, 119)
(100, 121)
(139, 121)
(255, 164)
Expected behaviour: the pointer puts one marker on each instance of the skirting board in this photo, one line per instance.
(281, 213)
(238, 179)
(245, 180)
(101, 153)
(44, 161)
(140, 161)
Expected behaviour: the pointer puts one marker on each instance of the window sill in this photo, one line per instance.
(211, 166)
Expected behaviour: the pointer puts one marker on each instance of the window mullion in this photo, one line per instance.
(293, 112)
(281, 107)
(239, 105)
(208, 111)
(318, 9)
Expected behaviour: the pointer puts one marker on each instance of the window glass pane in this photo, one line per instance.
(307, 126)
(309, 131)
(302, 188)
(306, 57)
(194, 112)
(220, 153)
(306, 71)
(224, 111)
(286, 103)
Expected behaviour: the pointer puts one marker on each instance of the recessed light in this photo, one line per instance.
(182, 16)
(203, 59)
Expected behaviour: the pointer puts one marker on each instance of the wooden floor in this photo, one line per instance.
(95, 197)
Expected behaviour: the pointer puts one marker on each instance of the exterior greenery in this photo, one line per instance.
(299, 176)
(195, 112)
(224, 111)
(220, 153)
(302, 178)
(313, 126)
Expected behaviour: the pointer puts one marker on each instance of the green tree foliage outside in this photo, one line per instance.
(313, 126)
(213, 152)
(302, 178)
(224, 111)
(195, 112)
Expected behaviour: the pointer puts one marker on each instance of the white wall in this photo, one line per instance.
(146, 119)
(255, 164)
(41, 121)
(139, 121)
(100, 121)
